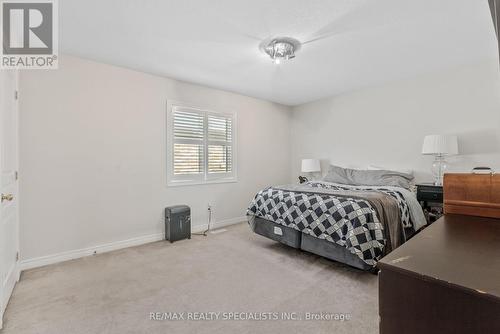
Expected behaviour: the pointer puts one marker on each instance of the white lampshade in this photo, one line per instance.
(440, 145)
(310, 165)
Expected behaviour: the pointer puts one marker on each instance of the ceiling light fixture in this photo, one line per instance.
(280, 49)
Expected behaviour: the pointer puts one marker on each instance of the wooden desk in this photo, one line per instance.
(444, 280)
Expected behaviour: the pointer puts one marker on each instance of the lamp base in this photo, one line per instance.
(439, 167)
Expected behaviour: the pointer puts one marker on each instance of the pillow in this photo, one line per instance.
(359, 177)
(400, 170)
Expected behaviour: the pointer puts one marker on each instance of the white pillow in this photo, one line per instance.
(400, 170)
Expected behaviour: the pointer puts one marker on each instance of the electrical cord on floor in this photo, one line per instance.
(204, 233)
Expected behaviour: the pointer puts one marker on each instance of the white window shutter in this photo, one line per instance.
(220, 150)
(188, 151)
(201, 146)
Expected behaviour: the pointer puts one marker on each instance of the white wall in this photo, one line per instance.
(92, 144)
(385, 125)
(92, 155)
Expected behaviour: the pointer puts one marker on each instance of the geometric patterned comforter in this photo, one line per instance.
(346, 221)
(403, 206)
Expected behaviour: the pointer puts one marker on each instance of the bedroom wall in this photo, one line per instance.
(385, 125)
(92, 155)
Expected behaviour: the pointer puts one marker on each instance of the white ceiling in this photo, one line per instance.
(215, 43)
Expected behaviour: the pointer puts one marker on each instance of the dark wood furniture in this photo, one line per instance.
(430, 197)
(444, 280)
(472, 194)
(447, 278)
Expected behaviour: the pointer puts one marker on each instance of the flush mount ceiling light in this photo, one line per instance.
(281, 48)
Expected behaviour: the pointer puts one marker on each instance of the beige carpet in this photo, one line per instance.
(234, 271)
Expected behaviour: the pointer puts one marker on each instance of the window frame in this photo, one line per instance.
(205, 177)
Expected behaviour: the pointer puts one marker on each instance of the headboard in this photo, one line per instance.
(472, 194)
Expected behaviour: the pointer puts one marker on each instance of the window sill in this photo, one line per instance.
(197, 183)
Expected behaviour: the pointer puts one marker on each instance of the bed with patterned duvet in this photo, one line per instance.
(353, 224)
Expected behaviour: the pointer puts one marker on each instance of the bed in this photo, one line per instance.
(349, 223)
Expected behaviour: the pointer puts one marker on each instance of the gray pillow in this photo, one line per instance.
(359, 177)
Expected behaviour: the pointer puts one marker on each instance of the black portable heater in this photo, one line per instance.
(177, 222)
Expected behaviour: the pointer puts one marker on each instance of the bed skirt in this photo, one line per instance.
(299, 240)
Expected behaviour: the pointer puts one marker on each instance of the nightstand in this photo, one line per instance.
(430, 197)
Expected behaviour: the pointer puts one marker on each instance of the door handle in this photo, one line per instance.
(7, 197)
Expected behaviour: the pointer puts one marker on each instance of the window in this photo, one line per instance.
(201, 146)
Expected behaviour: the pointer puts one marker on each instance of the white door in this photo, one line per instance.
(9, 218)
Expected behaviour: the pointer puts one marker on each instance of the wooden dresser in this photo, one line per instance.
(447, 278)
(472, 194)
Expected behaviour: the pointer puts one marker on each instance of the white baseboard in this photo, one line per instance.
(78, 253)
(219, 224)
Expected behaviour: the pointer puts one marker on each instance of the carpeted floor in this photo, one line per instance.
(234, 271)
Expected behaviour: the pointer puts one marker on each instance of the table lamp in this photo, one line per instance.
(309, 166)
(439, 146)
